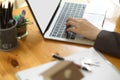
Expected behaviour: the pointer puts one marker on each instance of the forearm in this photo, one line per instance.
(108, 42)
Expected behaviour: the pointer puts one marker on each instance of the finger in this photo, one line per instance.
(70, 26)
(70, 18)
(70, 23)
(71, 29)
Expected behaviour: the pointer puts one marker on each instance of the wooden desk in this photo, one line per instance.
(34, 50)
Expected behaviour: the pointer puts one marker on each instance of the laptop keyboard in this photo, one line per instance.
(69, 10)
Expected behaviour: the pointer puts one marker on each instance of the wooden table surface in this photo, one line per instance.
(34, 50)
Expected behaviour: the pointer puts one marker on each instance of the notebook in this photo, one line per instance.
(51, 16)
(105, 70)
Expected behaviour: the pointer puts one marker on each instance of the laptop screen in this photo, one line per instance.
(43, 11)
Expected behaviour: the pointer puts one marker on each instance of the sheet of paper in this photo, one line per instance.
(105, 70)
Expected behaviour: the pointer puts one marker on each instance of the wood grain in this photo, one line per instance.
(34, 50)
(117, 28)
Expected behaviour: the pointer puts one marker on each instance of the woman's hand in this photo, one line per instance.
(82, 27)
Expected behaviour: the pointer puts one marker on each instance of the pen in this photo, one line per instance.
(86, 68)
(57, 57)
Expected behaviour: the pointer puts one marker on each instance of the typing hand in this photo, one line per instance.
(82, 27)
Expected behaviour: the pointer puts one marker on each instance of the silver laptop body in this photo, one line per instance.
(51, 17)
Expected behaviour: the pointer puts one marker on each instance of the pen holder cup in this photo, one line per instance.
(8, 38)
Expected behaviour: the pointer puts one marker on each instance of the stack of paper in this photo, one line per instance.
(105, 70)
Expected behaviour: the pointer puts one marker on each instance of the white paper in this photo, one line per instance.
(106, 71)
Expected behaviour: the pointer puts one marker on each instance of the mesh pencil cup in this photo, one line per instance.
(8, 38)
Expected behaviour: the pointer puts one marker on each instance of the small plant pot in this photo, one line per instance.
(21, 31)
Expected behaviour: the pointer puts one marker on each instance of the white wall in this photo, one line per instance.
(18, 3)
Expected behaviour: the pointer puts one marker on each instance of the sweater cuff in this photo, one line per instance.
(108, 42)
(101, 39)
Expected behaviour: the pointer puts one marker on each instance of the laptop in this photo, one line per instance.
(51, 16)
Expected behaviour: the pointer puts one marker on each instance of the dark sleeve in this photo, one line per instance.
(108, 42)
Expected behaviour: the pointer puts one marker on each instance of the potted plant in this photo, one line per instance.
(21, 24)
